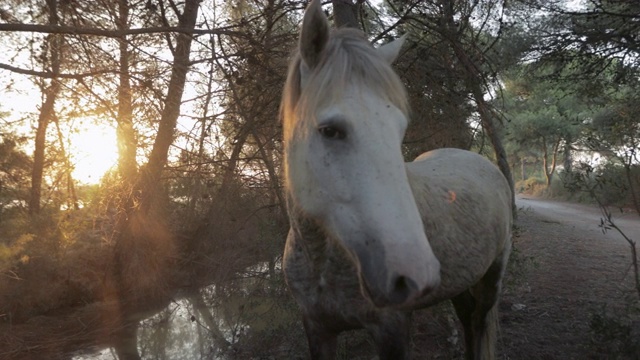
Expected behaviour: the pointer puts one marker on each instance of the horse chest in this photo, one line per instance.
(325, 284)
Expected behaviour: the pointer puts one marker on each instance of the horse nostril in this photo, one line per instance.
(402, 289)
(400, 284)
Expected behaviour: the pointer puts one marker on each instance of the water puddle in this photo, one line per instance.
(243, 317)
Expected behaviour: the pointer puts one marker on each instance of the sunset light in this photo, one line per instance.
(93, 151)
(294, 179)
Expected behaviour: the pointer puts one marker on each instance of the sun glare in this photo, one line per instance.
(94, 151)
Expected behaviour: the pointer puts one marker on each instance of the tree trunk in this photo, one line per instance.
(46, 112)
(473, 81)
(568, 158)
(523, 172)
(549, 170)
(72, 198)
(632, 185)
(149, 179)
(345, 13)
(545, 156)
(144, 251)
(490, 129)
(127, 146)
(554, 159)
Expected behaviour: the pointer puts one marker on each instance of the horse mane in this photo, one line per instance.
(348, 58)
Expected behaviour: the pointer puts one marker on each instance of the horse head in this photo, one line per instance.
(344, 116)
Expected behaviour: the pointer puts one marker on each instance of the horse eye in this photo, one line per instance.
(332, 133)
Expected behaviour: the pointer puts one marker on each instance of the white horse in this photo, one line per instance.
(373, 238)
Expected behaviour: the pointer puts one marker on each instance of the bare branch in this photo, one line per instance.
(72, 30)
(52, 75)
(607, 223)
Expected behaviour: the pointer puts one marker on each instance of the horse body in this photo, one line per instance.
(373, 238)
(464, 202)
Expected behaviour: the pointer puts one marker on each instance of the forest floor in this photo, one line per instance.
(569, 293)
(577, 300)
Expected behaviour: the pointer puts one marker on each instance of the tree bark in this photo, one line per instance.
(554, 159)
(149, 179)
(144, 248)
(72, 198)
(632, 185)
(568, 158)
(548, 171)
(501, 155)
(474, 80)
(345, 13)
(127, 146)
(46, 112)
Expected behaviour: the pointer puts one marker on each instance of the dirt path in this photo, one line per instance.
(570, 271)
(586, 218)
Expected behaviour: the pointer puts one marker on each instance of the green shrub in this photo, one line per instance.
(609, 183)
(531, 186)
(616, 333)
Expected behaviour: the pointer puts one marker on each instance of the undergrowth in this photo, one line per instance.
(520, 263)
(616, 333)
(613, 331)
(44, 264)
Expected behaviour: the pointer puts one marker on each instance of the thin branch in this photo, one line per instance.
(401, 20)
(72, 30)
(52, 75)
(608, 223)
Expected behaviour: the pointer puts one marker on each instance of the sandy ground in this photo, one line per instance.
(571, 271)
(564, 272)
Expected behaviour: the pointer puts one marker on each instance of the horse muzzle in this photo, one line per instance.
(402, 287)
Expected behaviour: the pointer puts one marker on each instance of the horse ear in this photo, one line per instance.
(314, 34)
(389, 52)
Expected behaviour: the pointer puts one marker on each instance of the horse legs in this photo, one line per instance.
(465, 305)
(391, 334)
(322, 343)
(477, 310)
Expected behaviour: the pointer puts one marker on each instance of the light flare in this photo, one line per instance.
(93, 152)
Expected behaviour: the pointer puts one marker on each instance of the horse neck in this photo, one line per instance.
(425, 192)
(308, 232)
(318, 247)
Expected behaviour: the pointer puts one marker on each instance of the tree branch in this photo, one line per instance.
(72, 30)
(607, 223)
(52, 75)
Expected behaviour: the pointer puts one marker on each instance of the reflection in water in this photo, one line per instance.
(249, 316)
(104, 354)
(170, 334)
